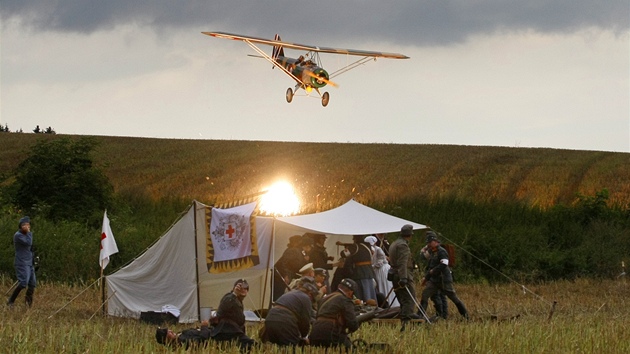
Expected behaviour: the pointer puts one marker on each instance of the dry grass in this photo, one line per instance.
(591, 316)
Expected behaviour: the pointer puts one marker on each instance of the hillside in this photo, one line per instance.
(332, 173)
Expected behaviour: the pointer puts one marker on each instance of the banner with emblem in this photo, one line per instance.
(231, 239)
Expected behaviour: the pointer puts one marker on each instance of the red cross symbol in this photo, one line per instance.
(230, 231)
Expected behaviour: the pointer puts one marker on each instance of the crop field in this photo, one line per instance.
(591, 316)
(326, 175)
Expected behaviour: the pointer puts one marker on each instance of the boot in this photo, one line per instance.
(15, 294)
(29, 296)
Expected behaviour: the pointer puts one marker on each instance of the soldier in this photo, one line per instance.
(404, 286)
(287, 267)
(288, 321)
(306, 271)
(439, 276)
(439, 299)
(230, 319)
(189, 338)
(335, 317)
(24, 265)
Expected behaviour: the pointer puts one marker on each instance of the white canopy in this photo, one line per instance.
(351, 218)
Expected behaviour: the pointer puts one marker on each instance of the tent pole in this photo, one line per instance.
(269, 255)
(196, 259)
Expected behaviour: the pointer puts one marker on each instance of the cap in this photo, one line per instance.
(241, 281)
(321, 271)
(349, 284)
(160, 335)
(431, 236)
(306, 241)
(307, 268)
(24, 220)
(371, 240)
(315, 236)
(295, 240)
(311, 289)
(406, 230)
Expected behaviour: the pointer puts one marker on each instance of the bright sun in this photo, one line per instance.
(280, 200)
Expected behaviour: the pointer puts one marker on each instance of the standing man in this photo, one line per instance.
(404, 286)
(230, 319)
(287, 267)
(439, 276)
(336, 317)
(24, 269)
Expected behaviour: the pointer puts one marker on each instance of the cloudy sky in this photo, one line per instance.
(536, 73)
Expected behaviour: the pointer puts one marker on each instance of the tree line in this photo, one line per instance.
(37, 130)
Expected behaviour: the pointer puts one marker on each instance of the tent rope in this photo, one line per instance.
(523, 287)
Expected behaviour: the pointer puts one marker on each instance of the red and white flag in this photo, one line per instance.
(108, 244)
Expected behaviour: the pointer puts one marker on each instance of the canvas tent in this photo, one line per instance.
(173, 271)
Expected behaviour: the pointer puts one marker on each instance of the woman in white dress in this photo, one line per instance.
(381, 267)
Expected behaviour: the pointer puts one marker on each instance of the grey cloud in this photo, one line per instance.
(415, 22)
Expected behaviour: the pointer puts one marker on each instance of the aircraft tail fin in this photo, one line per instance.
(277, 49)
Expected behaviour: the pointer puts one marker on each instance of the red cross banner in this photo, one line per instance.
(231, 239)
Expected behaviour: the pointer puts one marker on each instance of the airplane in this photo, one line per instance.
(306, 70)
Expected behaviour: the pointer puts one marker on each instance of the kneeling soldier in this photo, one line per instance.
(335, 317)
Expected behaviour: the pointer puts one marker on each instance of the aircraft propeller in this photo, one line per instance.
(320, 78)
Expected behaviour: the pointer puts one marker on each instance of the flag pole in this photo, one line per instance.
(102, 290)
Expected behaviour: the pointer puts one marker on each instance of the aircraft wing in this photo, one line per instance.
(365, 53)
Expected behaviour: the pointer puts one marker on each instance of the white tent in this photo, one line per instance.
(174, 271)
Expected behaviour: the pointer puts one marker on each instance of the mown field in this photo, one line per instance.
(591, 316)
(326, 175)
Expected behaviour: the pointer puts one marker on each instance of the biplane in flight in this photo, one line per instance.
(306, 70)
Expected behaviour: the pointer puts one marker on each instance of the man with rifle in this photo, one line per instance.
(401, 275)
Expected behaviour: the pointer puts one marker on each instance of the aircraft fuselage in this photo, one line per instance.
(305, 70)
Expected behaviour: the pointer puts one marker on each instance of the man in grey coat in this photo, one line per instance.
(404, 285)
(24, 267)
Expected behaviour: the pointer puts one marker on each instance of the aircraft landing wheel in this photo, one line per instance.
(289, 95)
(325, 99)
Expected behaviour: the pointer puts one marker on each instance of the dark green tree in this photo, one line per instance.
(58, 180)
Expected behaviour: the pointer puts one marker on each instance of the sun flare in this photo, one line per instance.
(280, 200)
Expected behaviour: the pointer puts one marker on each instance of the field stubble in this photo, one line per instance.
(590, 316)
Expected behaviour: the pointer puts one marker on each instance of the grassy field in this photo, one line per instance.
(590, 317)
(326, 175)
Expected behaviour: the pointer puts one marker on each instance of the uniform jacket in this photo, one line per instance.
(360, 261)
(438, 270)
(400, 258)
(230, 317)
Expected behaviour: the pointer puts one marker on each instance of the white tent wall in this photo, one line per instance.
(163, 275)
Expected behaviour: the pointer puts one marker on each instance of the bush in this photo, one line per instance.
(58, 181)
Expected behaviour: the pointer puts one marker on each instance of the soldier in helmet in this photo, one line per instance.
(335, 317)
(439, 276)
(288, 321)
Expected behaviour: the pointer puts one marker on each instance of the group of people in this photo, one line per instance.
(365, 261)
(291, 321)
(308, 313)
(437, 280)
